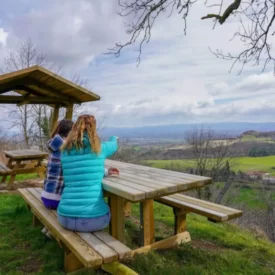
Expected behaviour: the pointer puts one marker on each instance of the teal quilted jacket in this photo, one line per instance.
(83, 171)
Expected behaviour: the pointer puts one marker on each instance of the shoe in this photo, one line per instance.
(44, 231)
(49, 235)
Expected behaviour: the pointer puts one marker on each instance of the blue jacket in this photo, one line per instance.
(83, 171)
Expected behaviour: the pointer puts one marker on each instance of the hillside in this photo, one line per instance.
(178, 131)
(215, 249)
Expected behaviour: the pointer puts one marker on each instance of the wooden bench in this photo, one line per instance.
(183, 205)
(82, 250)
(4, 170)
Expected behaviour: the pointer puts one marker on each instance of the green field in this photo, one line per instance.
(243, 164)
(215, 248)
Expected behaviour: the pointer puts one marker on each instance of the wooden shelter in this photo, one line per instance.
(37, 85)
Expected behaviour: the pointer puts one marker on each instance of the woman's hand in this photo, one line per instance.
(113, 171)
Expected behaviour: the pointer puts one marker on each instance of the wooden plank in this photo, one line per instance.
(55, 117)
(160, 188)
(158, 170)
(182, 180)
(71, 262)
(13, 174)
(206, 204)
(149, 192)
(180, 222)
(129, 193)
(127, 208)
(69, 111)
(117, 225)
(122, 250)
(194, 209)
(66, 88)
(82, 251)
(4, 167)
(164, 244)
(25, 154)
(147, 221)
(108, 254)
(164, 187)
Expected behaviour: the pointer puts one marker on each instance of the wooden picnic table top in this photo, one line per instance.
(137, 183)
(26, 154)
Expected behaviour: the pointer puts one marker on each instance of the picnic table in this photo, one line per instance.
(141, 184)
(134, 184)
(22, 162)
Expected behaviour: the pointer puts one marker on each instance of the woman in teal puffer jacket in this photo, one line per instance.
(82, 207)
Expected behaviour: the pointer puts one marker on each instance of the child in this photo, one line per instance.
(82, 207)
(53, 183)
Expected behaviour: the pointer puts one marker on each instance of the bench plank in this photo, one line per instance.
(122, 250)
(107, 246)
(83, 252)
(210, 210)
(207, 204)
(4, 169)
(108, 254)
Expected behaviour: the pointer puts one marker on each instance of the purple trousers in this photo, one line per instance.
(85, 224)
(50, 204)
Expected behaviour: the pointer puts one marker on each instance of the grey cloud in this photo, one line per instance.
(71, 32)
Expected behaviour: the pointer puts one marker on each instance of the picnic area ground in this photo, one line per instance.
(215, 248)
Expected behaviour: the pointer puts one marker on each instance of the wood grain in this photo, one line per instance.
(82, 251)
(43, 84)
(210, 210)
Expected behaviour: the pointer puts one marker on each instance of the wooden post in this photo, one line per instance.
(13, 175)
(55, 116)
(117, 226)
(10, 166)
(180, 221)
(69, 111)
(127, 209)
(147, 222)
(71, 262)
(35, 221)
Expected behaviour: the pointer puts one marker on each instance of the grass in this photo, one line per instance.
(216, 249)
(244, 164)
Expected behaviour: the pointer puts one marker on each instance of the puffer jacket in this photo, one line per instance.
(83, 171)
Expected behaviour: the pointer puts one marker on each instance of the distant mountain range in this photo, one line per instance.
(177, 131)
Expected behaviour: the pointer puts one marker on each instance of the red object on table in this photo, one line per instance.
(113, 171)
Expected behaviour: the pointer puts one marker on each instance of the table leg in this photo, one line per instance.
(39, 164)
(10, 166)
(180, 221)
(147, 222)
(127, 208)
(13, 175)
(117, 225)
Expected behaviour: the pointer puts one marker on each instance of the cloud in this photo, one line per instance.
(72, 33)
(178, 80)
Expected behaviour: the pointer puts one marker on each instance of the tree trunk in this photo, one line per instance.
(223, 192)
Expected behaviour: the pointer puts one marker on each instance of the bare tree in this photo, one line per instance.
(213, 156)
(255, 20)
(24, 56)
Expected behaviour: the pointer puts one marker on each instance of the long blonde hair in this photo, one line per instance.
(84, 124)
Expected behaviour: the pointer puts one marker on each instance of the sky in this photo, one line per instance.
(178, 81)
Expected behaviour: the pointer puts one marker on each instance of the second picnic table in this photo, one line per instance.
(23, 162)
(142, 184)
